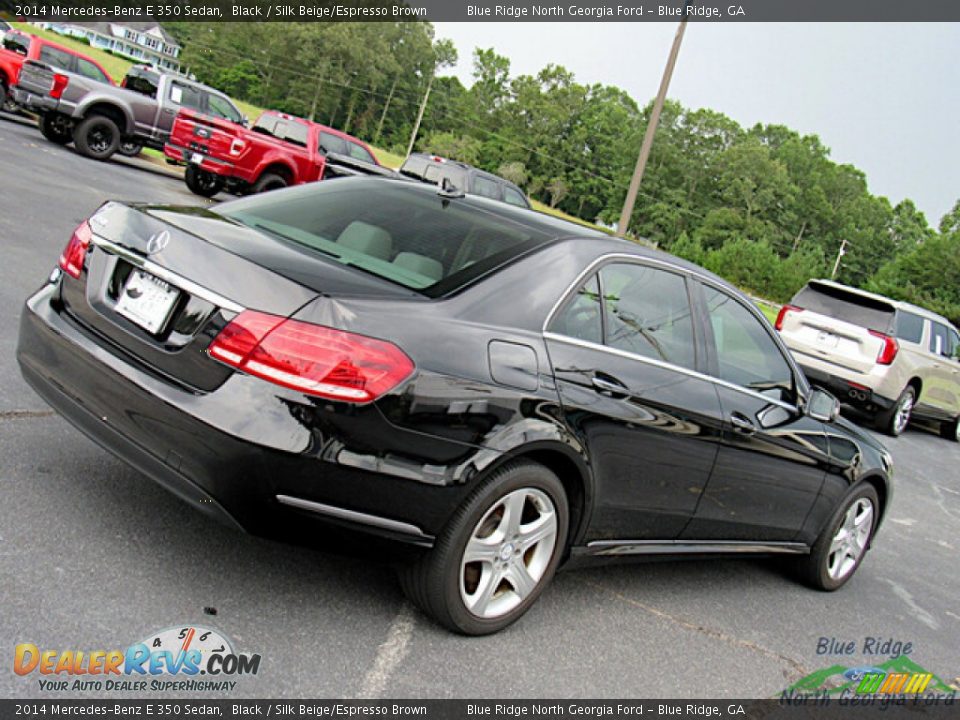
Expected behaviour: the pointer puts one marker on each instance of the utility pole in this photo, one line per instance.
(652, 127)
(840, 254)
(423, 106)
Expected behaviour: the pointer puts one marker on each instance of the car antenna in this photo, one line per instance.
(446, 189)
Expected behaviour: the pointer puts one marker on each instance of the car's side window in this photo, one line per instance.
(909, 327)
(56, 57)
(359, 152)
(220, 107)
(938, 339)
(580, 317)
(332, 144)
(88, 69)
(746, 354)
(647, 312)
(513, 197)
(186, 95)
(953, 347)
(486, 188)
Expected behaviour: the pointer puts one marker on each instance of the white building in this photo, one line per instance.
(145, 42)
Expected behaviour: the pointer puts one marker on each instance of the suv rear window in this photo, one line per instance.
(414, 239)
(845, 305)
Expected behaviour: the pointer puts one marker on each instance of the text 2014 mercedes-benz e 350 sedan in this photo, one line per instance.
(504, 390)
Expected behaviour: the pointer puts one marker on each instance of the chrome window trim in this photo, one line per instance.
(640, 260)
(171, 277)
(667, 366)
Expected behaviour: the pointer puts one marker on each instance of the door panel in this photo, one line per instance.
(772, 458)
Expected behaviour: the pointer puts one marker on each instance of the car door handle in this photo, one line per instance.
(610, 387)
(742, 424)
(170, 111)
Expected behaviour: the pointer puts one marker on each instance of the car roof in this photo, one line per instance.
(896, 304)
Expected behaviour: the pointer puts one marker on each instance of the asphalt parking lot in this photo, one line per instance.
(94, 556)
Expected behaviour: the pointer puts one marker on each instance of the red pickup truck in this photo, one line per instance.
(279, 150)
(18, 47)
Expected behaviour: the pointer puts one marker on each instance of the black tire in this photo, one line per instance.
(201, 182)
(890, 420)
(55, 128)
(97, 137)
(268, 182)
(437, 581)
(950, 430)
(815, 569)
(130, 148)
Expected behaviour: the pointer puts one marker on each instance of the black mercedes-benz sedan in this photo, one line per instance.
(499, 390)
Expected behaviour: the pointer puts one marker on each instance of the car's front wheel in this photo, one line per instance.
(951, 430)
(497, 554)
(840, 548)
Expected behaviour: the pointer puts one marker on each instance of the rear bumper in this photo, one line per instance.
(36, 103)
(848, 390)
(234, 464)
(184, 155)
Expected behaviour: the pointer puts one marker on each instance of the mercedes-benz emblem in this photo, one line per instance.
(158, 242)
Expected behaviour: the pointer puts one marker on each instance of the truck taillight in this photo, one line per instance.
(237, 145)
(60, 83)
(312, 359)
(71, 261)
(889, 349)
(783, 314)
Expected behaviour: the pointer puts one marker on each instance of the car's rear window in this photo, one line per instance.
(415, 239)
(848, 306)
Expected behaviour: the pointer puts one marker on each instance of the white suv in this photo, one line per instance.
(888, 358)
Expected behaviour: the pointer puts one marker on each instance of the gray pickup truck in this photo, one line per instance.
(102, 119)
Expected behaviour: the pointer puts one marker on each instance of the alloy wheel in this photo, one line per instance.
(508, 553)
(902, 417)
(850, 540)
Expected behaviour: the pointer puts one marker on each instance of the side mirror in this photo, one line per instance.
(822, 406)
(244, 121)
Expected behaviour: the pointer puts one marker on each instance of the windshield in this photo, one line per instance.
(414, 239)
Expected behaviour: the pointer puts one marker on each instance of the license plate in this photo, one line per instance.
(147, 301)
(196, 158)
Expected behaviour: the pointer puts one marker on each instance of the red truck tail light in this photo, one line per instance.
(71, 261)
(312, 359)
(889, 349)
(237, 146)
(60, 83)
(781, 316)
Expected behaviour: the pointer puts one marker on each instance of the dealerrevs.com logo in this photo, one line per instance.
(187, 658)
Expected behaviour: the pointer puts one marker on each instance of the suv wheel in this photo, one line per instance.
(55, 128)
(496, 555)
(895, 420)
(202, 183)
(97, 137)
(844, 541)
(951, 430)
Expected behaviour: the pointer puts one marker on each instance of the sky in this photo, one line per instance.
(884, 97)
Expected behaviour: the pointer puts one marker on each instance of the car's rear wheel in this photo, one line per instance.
(55, 128)
(97, 137)
(951, 430)
(130, 148)
(895, 420)
(844, 541)
(201, 182)
(497, 554)
(267, 182)
(5, 102)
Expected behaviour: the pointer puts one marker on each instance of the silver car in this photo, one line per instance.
(890, 359)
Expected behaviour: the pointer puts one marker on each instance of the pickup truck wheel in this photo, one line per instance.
(267, 182)
(55, 128)
(97, 137)
(203, 183)
(130, 148)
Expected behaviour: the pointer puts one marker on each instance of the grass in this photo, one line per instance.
(769, 310)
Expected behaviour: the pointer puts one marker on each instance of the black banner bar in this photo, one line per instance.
(487, 10)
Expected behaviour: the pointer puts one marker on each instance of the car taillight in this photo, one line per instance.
(889, 349)
(783, 314)
(313, 359)
(60, 83)
(71, 261)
